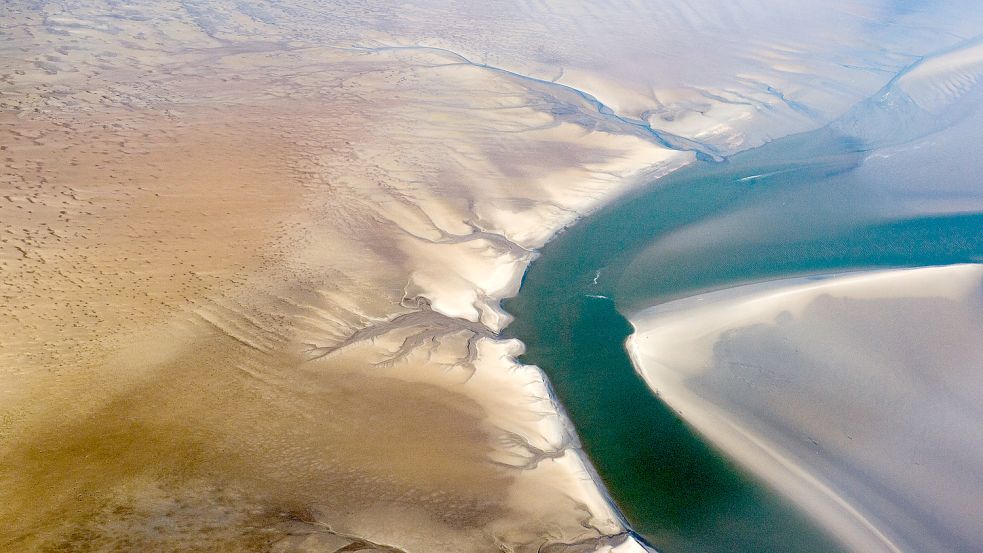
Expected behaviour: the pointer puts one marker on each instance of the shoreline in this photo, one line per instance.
(255, 255)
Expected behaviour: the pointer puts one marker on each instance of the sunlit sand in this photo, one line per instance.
(251, 255)
(857, 396)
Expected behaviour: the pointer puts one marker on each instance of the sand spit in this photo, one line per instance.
(857, 395)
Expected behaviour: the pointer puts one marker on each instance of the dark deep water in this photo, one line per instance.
(793, 207)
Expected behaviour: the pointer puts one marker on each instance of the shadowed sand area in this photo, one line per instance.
(202, 455)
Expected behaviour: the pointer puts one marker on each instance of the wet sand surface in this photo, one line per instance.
(237, 317)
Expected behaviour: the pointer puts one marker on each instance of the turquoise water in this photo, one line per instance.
(794, 207)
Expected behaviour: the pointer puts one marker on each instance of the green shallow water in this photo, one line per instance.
(794, 207)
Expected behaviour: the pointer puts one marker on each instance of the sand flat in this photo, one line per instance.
(855, 395)
(251, 295)
(248, 250)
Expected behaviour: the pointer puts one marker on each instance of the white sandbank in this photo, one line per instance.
(858, 396)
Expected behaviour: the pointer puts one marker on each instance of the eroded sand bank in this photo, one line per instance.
(858, 395)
